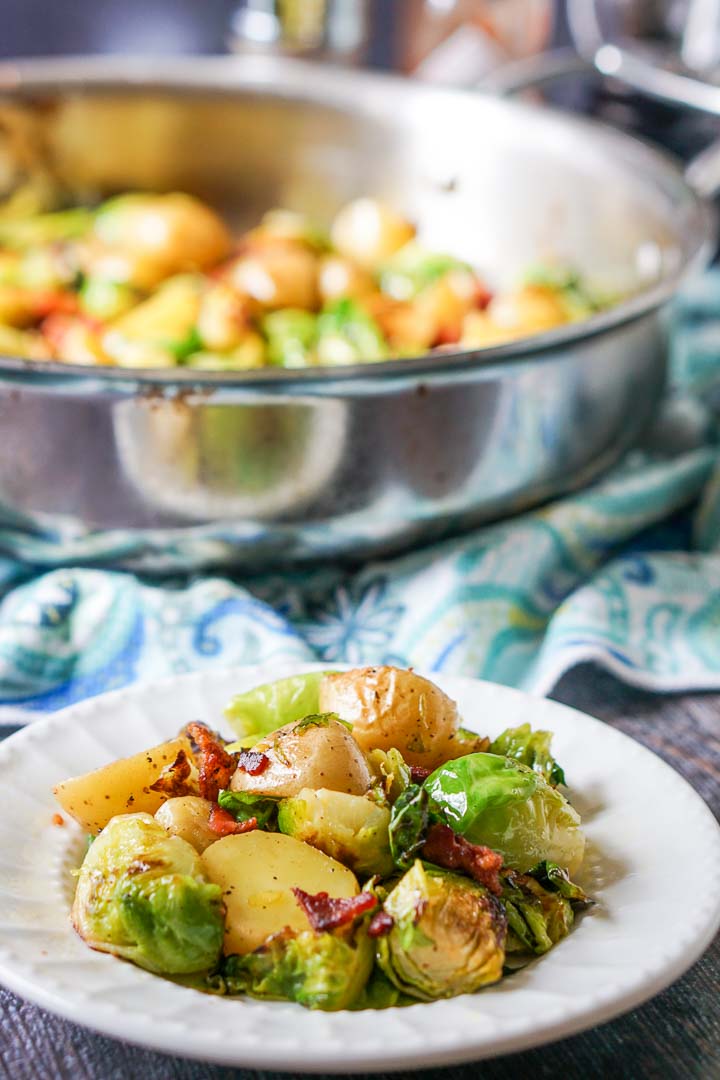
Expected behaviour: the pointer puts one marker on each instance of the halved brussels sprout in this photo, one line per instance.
(143, 895)
(290, 334)
(326, 971)
(494, 801)
(351, 828)
(448, 936)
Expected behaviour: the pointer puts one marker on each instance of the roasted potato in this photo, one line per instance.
(318, 752)
(187, 817)
(257, 872)
(389, 707)
(122, 787)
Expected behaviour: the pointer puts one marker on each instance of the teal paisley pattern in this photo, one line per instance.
(625, 574)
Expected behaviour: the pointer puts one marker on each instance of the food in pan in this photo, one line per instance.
(158, 281)
(355, 847)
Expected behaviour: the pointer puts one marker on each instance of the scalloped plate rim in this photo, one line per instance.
(144, 1030)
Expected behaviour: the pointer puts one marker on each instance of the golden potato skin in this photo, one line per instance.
(314, 756)
(122, 787)
(257, 872)
(187, 816)
(390, 707)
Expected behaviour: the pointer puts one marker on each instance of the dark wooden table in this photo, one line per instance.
(674, 1037)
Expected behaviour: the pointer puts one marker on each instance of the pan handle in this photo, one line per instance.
(701, 172)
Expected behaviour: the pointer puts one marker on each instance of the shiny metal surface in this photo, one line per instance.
(168, 470)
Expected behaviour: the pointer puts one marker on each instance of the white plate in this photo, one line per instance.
(653, 864)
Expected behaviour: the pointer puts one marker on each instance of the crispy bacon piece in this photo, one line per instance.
(419, 774)
(224, 824)
(483, 296)
(445, 848)
(253, 762)
(380, 924)
(173, 781)
(325, 912)
(215, 765)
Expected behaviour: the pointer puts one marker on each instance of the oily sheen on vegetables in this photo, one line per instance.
(355, 848)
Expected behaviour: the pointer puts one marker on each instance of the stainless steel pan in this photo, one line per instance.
(175, 470)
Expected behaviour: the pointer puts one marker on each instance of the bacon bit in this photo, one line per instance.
(483, 296)
(380, 924)
(445, 848)
(57, 819)
(449, 334)
(253, 762)
(215, 765)
(173, 780)
(55, 302)
(419, 774)
(224, 824)
(327, 913)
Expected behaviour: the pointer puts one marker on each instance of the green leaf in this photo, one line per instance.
(320, 720)
(265, 708)
(554, 878)
(408, 825)
(531, 748)
(464, 789)
(243, 805)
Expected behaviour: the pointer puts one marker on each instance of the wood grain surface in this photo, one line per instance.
(676, 1036)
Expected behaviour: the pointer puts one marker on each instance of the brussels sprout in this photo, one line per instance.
(265, 708)
(391, 772)
(351, 828)
(347, 334)
(503, 804)
(448, 936)
(539, 907)
(326, 971)
(531, 748)
(413, 268)
(290, 334)
(143, 895)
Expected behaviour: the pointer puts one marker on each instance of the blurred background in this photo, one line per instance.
(457, 41)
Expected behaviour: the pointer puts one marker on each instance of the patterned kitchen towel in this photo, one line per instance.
(622, 573)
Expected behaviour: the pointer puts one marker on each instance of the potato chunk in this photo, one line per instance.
(188, 817)
(320, 754)
(257, 872)
(389, 707)
(122, 787)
